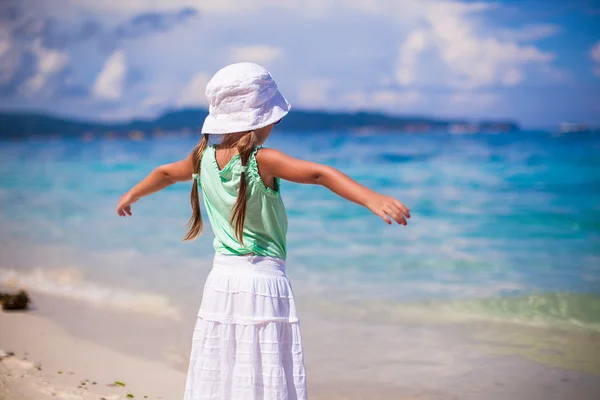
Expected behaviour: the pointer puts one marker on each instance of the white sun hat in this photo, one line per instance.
(243, 97)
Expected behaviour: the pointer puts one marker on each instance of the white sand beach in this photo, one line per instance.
(51, 362)
(65, 349)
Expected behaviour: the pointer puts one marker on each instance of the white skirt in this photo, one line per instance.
(247, 343)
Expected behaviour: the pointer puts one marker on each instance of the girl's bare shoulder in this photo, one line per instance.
(276, 163)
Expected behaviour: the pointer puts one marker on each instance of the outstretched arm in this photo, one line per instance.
(157, 180)
(274, 163)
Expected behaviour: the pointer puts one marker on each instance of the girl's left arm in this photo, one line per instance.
(275, 163)
(157, 180)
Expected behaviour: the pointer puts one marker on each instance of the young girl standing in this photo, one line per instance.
(247, 343)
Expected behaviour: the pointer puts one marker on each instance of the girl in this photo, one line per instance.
(247, 343)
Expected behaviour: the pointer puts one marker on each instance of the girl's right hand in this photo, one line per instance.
(124, 206)
(385, 205)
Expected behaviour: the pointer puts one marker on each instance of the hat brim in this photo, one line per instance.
(249, 119)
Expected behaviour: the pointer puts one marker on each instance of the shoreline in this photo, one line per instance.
(345, 359)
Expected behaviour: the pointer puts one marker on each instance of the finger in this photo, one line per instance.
(384, 217)
(120, 212)
(402, 214)
(394, 207)
(128, 210)
(403, 208)
(396, 214)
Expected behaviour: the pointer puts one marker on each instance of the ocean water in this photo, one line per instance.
(504, 227)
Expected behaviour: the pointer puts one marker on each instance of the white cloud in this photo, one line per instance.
(444, 53)
(413, 10)
(109, 83)
(314, 92)
(260, 54)
(355, 99)
(194, 93)
(311, 8)
(473, 100)
(9, 63)
(49, 63)
(155, 101)
(385, 99)
(410, 101)
(512, 77)
(394, 99)
(467, 57)
(531, 32)
(595, 54)
(133, 6)
(409, 54)
(449, 37)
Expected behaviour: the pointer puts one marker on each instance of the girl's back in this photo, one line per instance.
(265, 225)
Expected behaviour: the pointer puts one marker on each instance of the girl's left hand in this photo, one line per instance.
(385, 205)
(124, 206)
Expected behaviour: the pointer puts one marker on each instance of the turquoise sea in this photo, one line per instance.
(504, 227)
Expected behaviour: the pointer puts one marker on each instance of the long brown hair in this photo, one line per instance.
(194, 224)
(244, 143)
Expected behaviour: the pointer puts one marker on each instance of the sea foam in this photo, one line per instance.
(70, 283)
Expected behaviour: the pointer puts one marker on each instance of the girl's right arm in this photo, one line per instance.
(160, 178)
(273, 163)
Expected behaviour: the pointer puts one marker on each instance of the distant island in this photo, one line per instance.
(19, 125)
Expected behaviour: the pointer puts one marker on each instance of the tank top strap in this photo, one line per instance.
(252, 163)
(254, 174)
(205, 162)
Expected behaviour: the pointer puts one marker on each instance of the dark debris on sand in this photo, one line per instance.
(14, 302)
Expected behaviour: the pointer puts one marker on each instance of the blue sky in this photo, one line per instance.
(534, 61)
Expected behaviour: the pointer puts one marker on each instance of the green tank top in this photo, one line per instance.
(265, 226)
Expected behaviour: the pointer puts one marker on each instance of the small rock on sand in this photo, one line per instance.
(13, 302)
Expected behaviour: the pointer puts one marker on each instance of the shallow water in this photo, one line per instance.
(503, 228)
